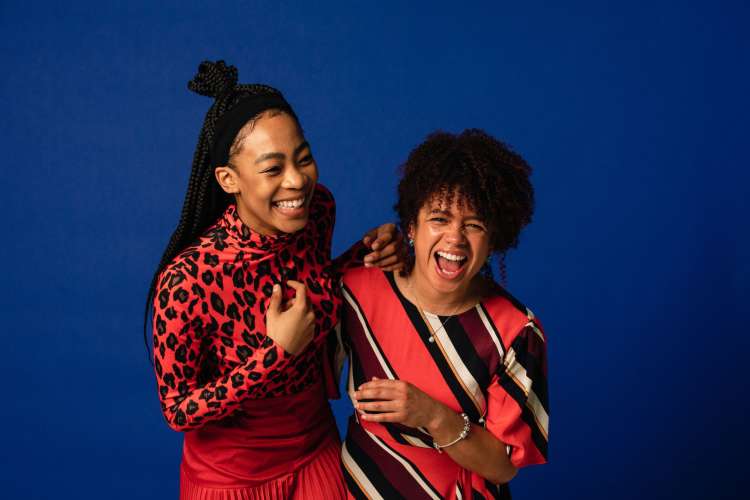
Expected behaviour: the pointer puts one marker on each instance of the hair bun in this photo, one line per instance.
(213, 79)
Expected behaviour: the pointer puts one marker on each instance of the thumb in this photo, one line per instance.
(275, 303)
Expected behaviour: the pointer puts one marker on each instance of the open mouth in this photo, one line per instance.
(450, 265)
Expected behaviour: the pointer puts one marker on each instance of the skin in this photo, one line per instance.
(274, 164)
(460, 231)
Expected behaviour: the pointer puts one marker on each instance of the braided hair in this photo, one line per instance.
(480, 171)
(204, 200)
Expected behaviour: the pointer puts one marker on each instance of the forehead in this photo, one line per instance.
(272, 131)
(456, 205)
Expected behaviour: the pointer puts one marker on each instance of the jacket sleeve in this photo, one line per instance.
(192, 391)
(517, 403)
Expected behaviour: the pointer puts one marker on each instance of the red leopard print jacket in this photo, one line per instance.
(210, 346)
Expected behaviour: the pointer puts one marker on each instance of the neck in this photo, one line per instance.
(439, 302)
(248, 220)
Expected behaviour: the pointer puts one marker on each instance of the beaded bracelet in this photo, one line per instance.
(462, 435)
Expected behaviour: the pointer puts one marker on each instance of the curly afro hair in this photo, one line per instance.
(482, 171)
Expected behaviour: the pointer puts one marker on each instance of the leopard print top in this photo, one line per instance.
(211, 351)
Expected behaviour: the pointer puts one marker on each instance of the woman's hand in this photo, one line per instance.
(291, 324)
(388, 249)
(397, 401)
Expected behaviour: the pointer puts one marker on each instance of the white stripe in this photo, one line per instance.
(491, 330)
(518, 373)
(368, 334)
(415, 441)
(459, 495)
(360, 476)
(536, 329)
(426, 487)
(455, 360)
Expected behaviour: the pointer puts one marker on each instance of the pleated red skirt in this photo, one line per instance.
(279, 448)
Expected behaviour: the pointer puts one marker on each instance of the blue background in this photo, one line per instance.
(634, 115)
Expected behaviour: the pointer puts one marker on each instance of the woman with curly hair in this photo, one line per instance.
(245, 299)
(448, 370)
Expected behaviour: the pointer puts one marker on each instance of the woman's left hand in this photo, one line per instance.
(395, 401)
(388, 249)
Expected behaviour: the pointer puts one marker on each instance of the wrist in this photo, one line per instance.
(444, 421)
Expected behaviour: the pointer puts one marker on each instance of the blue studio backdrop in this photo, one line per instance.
(633, 115)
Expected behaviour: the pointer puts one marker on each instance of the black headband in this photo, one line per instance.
(233, 120)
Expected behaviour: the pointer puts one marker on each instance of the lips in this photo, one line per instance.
(291, 207)
(450, 265)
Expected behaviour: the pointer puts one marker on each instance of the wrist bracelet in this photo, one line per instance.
(464, 433)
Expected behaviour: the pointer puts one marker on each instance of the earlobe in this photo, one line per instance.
(227, 179)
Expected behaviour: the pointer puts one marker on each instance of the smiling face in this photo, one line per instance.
(272, 176)
(451, 244)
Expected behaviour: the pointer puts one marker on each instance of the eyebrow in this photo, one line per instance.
(281, 156)
(448, 212)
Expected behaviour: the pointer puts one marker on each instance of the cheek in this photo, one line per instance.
(257, 192)
(481, 247)
(313, 174)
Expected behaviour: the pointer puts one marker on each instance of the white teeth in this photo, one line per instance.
(450, 256)
(290, 203)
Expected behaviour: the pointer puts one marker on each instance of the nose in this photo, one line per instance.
(293, 178)
(455, 234)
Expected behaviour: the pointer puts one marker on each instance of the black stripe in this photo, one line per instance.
(370, 469)
(351, 484)
(494, 328)
(358, 376)
(369, 329)
(467, 352)
(533, 365)
(395, 429)
(397, 436)
(514, 391)
(414, 467)
(497, 492)
(464, 400)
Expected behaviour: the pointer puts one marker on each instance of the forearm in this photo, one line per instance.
(480, 451)
(187, 405)
(353, 257)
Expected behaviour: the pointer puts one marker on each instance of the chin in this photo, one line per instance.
(291, 226)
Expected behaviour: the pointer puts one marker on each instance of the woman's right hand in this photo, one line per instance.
(290, 324)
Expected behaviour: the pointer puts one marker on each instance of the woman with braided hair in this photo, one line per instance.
(448, 371)
(245, 299)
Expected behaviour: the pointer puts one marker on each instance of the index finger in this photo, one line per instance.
(385, 234)
(378, 384)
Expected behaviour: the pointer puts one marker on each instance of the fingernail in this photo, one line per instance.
(276, 287)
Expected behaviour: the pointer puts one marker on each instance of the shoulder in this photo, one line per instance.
(322, 199)
(365, 280)
(509, 314)
(185, 274)
(322, 210)
(322, 194)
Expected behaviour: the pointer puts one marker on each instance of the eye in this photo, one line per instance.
(475, 227)
(306, 160)
(273, 170)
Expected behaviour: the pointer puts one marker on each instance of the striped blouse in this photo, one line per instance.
(489, 362)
